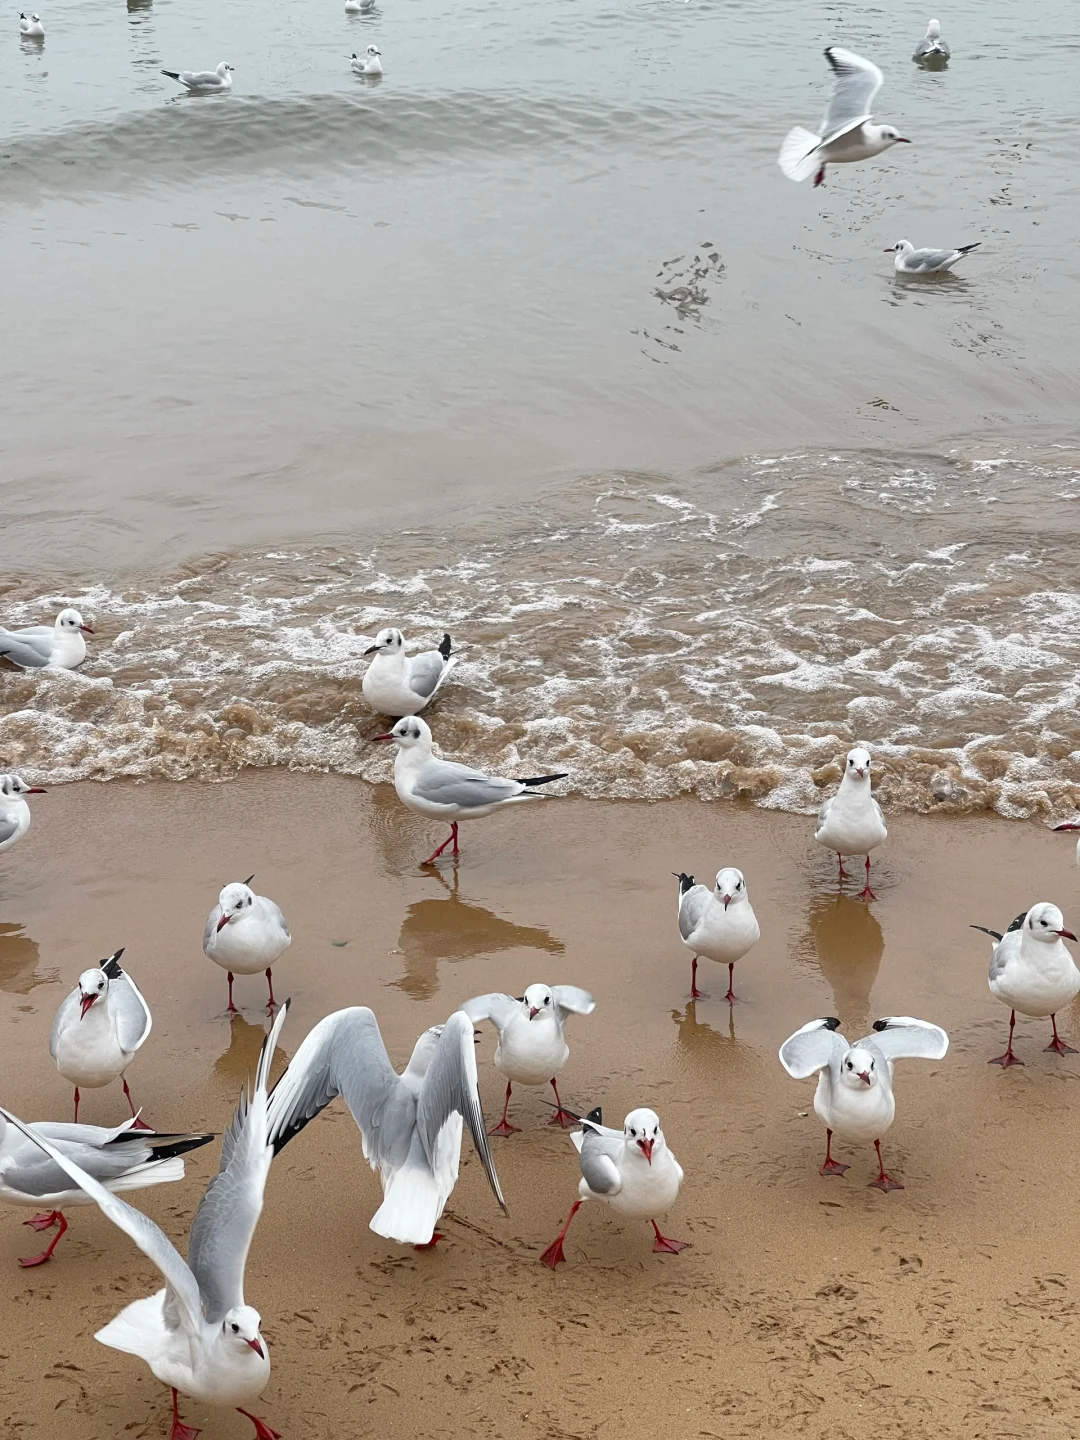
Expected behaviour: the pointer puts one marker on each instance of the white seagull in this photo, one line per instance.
(14, 811)
(846, 131)
(122, 1158)
(357, 7)
(245, 933)
(932, 49)
(197, 1335)
(850, 822)
(410, 1124)
(443, 789)
(719, 924)
(99, 1028)
(1032, 971)
(401, 683)
(910, 261)
(631, 1169)
(532, 1047)
(60, 645)
(854, 1094)
(31, 29)
(204, 81)
(395, 683)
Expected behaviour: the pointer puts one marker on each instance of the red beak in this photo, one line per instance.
(902, 140)
(864, 1076)
(37, 790)
(1066, 934)
(534, 1010)
(223, 921)
(258, 1349)
(1069, 825)
(727, 901)
(86, 629)
(646, 1149)
(86, 1001)
(381, 737)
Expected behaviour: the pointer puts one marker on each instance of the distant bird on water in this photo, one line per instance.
(932, 50)
(372, 65)
(395, 683)
(910, 261)
(60, 644)
(31, 29)
(847, 133)
(203, 81)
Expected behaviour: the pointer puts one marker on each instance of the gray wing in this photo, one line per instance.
(343, 1055)
(823, 812)
(204, 79)
(444, 782)
(7, 827)
(498, 1008)
(33, 1172)
(32, 653)
(425, 672)
(857, 82)
(692, 906)
(275, 912)
(211, 927)
(598, 1162)
(450, 1087)
(572, 1000)
(928, 259)
(64, 1016)
(129, 1011)
(224, 1224)
(900, 1037)
(154, 1244)
(815, 1047)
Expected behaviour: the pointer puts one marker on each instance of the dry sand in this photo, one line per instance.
(804, 1307)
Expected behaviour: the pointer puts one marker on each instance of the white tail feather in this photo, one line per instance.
(412, 1204)
(154, 1172)
(798, 157)
(139, 1329)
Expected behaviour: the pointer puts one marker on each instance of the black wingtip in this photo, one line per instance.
(830, 1022)
(172, 74)
(1018, 923)
(248, 880)
(686, 882)
(594, 1117)
(880, 1025)
(995, 933)
(165, 1147)
(112, 967)
(542, 779)
(966, 249)
(444, 647)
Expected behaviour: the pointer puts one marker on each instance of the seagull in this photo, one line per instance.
(99, 1028)
(395, 683)
(31, 29)
(854, 1094)
(1068, 825)
(122, 1158)
(60, 644)
(1031, 971)
(846, 132)
(932, 50)
(245, 933)
(203, 81)
(851, 822)
(910, 261)
(410, 1124)
(532, 1048)
(631, 1169)
(443, 789)
(14, 811)
(404, 679)
(719, 924)
(196, 1334)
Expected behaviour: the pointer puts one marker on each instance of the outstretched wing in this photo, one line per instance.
(813, 1048)
(450, 1087)
(498, 1008)
(857, 82)
(572, 1000)
(152, 1241)
(224, 1223)
(900, 1037)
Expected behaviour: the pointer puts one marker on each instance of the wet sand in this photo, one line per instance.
(804, 1307)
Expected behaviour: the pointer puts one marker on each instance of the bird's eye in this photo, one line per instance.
(739, 885)
(1043, 924)
(632, 1130)
(851, 762)
(850, 1066)
(236, 1329)
(547, 999)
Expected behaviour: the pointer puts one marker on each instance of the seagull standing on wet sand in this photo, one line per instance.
(532, 1048)
(847, 134)
(98, 1030)
(932, 50)
(395, 683)
(719, 924)
(854, 1094)
(910, 261)
(14, 811)
(851, 822)
(631, 1169)
(443, 789)
(245, 933)
(197, 1335)
(60, 645)
(410, 1124)
(1032, 971)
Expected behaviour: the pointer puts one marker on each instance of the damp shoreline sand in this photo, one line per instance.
(804, 1306)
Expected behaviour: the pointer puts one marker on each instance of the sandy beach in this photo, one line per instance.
(805, 1306)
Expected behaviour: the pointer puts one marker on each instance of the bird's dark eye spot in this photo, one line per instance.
(236, 1329)
(739, 885)
(632, 1130)
(547, 999)
(1043, 924)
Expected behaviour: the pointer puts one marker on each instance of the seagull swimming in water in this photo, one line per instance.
(204, 82)
(14, 811)
(1032, 971)
(395, 683)
(847, 133)
(371, 64)
(443, 789)
(32, 28)
(719, 924)
(932, 50)
(99, 1029)
(851, 822)
(854, 1095)
(60, 645)
(910, 261)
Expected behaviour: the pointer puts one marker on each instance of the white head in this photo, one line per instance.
(70, 621)
(1045, 922)
(236, 901)
(36, 18)
(730, 887)
(240, 1329)
(857, 767)
(889, 135)
(537, 1001)
(387, 642)
(642, 1133)
(375, 54)
(933, 30)
(224, 70)
(14, 787)
(409, 733)
(858, 1069)
(902, 247)
(93, 985)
